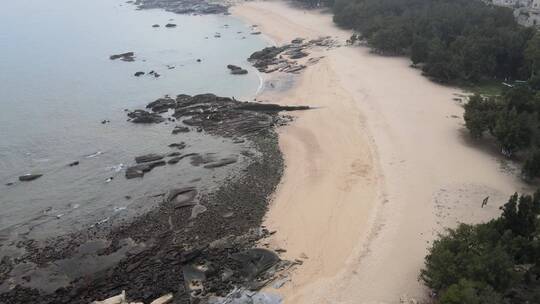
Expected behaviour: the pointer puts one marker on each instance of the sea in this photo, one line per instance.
(57, 86)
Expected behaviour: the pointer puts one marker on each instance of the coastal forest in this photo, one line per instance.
(471, 43)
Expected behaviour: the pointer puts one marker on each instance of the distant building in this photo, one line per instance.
(527, 12)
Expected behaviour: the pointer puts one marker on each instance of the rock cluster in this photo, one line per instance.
(198, 7)
(216, 115)
(285, 58)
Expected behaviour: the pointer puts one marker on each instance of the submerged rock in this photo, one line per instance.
(29, 177)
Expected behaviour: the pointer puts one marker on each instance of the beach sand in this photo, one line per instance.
(374, 173)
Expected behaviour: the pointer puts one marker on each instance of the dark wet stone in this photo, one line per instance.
(239, 72)
(75, 163)
(142, 116)
(170, 25)
(174, 154)
(148, 158)
(140, 169)
(155, 25)
(179, 146)
(138, 74)
(29, 177)
(129, 56)
(162, 104)
(174, 160)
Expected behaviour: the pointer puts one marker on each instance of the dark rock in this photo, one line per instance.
(148, 158)
(155, 25)
(179, 146)
(199, 60)
(138, 74)
(255, 33)
(29, 177)
(10, 184)
(162, 104)
(141, 116)
(129, 56)
(75, 163)
(174, 160)
(239, 72)
(170, 25)
(174, 154)
(140, 169)
(298, 54)
(233, 67)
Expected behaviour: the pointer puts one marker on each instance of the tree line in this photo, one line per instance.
(452, 40)
(492, 263)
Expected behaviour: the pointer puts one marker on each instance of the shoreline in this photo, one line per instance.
(421, 175)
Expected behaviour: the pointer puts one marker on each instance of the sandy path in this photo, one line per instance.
(373, 174)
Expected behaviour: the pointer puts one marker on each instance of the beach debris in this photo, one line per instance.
(163, 299)
(29, 177)
(119, 299)
(128, 56)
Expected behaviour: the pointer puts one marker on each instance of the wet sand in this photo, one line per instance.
(374, 173)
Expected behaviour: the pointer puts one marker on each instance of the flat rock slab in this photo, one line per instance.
(148, 158)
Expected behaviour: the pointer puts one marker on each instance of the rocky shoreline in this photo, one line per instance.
(196, 7)
(196, 246)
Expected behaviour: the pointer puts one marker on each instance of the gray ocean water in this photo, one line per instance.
(57, 84)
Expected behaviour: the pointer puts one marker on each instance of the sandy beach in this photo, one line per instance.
(374, 173)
